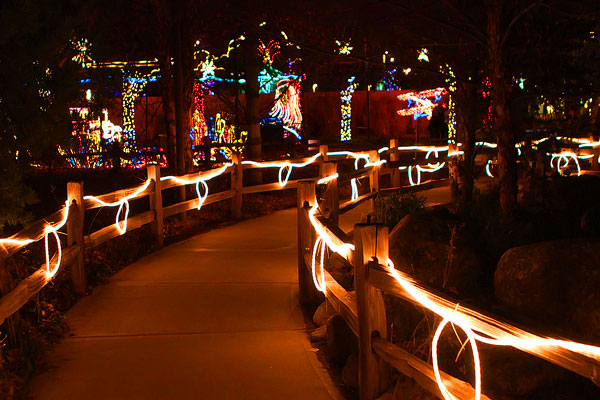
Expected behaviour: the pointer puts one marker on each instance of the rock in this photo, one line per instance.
(554, 282)
(323, 313)
(341, 270)
(432, 247)
(350, 371)
(319, 334)
(590, 221)
(341, 341)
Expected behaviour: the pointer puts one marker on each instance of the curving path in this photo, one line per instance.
(213, 317)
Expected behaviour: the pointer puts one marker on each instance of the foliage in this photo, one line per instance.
(14, 196)
(390, 209)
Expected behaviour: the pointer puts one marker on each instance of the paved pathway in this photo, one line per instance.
(213, 317)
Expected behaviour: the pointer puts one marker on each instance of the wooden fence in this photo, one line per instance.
(73, 254)
(365, 312)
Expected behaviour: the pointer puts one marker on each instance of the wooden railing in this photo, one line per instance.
(73, 254)
(365, 312)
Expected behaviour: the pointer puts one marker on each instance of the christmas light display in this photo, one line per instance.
(90, 136)
(287, 108)
(268, 51)
(389, 80)
(133, 85)
(344, 48)
(419, 103)
(199, 128)
(423, 55)
(486, 93)
(83, 58)
(346, 95)
(451, 84)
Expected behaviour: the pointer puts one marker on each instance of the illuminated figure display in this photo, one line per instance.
(346, 94)
(287, 107)
(419, 103)
(268, 51)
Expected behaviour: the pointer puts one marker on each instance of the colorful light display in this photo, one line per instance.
(90, 136)
(346, 95)
(344, 48)
(419, 103)
(268, 51)
(287, 107)
(389, 80)
(423, 55)
(83, 58)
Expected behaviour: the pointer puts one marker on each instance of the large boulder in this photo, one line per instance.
(434, 248)
(556, 283)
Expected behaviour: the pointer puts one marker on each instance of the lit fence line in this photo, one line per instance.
(578, 357)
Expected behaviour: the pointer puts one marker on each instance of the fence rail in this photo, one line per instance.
(365, 313)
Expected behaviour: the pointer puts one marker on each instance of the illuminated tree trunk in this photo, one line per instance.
(507, 162)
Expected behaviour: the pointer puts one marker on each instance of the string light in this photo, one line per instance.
(564, 158)
(423, 55)
(285, 167)
(346, 94)
(123, 204)
(268, 51)
(487, 169)
(490, 330)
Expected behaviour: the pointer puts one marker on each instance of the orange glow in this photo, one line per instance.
(121, 227)
(283, 167)
(477, 326)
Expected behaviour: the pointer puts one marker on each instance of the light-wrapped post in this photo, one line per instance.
(370, 240)
(237, 179)
(374, 177)
(75, 235)
(153, 172)
(394, 156)
(307, 292)
(331, 197)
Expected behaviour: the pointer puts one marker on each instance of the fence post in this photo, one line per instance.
(307, 293)
(331, 197)
(236, 185)
(324, 149)
(75, 235)
(596, 161)
(153, 172)
(394, 156)
(374, 177)
(370, 240)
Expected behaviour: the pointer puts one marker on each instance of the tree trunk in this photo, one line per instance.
(252, 107)
(467, 118)
(507, 161)
(168, 101)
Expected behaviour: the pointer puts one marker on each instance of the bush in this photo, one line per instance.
(390, 209)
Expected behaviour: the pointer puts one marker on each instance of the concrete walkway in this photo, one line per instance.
(213, 317)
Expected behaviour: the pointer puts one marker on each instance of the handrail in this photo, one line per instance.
(372, 278)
